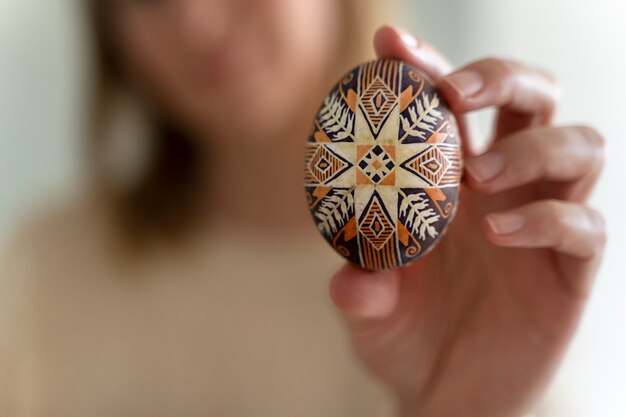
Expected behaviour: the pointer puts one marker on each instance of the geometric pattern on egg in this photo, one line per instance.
(383, 165)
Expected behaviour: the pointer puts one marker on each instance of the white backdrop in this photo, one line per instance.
(582, 42)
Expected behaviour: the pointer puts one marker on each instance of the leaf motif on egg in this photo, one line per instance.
(334, 211)
(335, 117)
(420, 216)
(425, 117)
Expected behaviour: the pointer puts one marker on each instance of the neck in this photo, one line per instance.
(258, 188)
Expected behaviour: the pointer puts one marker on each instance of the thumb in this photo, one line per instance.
(361, 294)
(392, 42)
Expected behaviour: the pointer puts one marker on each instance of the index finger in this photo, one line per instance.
(525, 96)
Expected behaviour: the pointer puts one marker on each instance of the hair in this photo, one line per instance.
(163, 202)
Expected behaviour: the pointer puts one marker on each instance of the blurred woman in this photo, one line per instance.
(190, 280)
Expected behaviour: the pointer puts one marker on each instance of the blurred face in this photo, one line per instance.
(229, 68)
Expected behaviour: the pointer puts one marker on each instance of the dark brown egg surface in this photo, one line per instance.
(383, 165)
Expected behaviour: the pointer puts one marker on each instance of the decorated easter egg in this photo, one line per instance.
(383, 165)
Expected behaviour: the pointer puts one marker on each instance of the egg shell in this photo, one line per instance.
(383, 165)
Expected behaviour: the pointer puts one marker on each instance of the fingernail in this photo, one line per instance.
(505, 223)
(486, 166)
(407, 38)
(466, 83)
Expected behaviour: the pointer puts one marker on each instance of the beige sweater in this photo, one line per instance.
(237, 325)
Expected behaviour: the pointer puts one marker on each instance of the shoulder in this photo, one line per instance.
(47, 245)
(50, 236)
(45, 250)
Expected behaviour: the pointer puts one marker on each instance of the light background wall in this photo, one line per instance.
(43, 79)
(42, 97)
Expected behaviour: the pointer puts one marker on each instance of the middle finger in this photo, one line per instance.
(568, 156)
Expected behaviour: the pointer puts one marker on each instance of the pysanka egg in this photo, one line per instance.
(383, 165)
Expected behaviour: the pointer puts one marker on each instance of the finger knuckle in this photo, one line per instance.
(593, 135)
(555, 212)
(503, 68)
(538, 152)
(549, 77)
(596, 142)
(552, 86)
(509, 75)
(598, 223)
